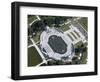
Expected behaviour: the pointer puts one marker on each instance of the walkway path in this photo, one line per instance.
(42, 56)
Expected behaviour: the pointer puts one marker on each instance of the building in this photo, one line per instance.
(56, 45)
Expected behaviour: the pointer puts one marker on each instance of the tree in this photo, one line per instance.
(38, 26)
(51, 63)
(30, 31)
(59, 62)
(59, 20)
(48, 20)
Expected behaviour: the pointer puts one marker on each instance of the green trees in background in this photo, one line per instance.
(38, 26)
(83, 50)
(57, 20)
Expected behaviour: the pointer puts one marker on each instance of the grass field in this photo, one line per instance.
(36, 38)
(73, 35)
(31, 18)
(77, 33)
(83, 59)
(33, 57)
(78, 44)
(84, 22)
(29, 42)
(70, 37)
(64, 27)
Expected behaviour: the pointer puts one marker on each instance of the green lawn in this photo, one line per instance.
(84, 54)
(29, 42)
(33, 57)
(76, 33)
(78, 44)
(73, 35)
(31, 18)
(64, 27)
(36, 38)
(84, 22)
(83, 58)
(70, 37)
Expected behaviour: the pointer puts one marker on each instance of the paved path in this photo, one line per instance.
(39, 51)
(34, 44)
(41, 63)
(38, 17)
(79, 29)
(30, 46)
(33, 22)
(69, 32)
